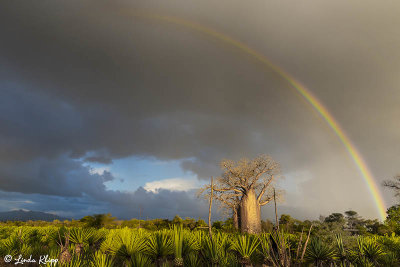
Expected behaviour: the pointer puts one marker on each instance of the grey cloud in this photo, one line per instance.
(84, 80)
(61, 176)
(164, 204)
(99, 159)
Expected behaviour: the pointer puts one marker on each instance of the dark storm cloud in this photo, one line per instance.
(164, 204)
(134, 87)
(61, 176)
(88, 82)
(99, 159)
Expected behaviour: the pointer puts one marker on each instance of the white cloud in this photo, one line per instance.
(99, 170)
(173, 184)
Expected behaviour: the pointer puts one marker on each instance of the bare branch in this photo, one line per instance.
(227, 189)
(265, 202)
(264, 188)
(395, 184)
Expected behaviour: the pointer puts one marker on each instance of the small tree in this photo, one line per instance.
(393, 213)
(231, 204)
(177, 220)
(335, 218)
(201, 223)
(98, 220)
(189, 223)
(393, 218)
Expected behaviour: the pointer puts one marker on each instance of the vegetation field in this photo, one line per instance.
(242, 240)
(101, 241)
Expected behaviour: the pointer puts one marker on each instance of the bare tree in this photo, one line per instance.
(227, 203)
(244, 187)
(394, 184)
(231, 204)
(210, 207)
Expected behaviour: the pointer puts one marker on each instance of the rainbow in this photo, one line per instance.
(301, 89)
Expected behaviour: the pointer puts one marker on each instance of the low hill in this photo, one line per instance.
(22, 215)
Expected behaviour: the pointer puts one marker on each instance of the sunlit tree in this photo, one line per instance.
(245, 186)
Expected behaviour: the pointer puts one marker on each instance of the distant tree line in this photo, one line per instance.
(349, 223)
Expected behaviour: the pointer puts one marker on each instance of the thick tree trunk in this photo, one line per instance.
(250, 213)
(236, 218)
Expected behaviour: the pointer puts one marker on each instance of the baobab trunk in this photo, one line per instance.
(250, 213)
(236, 218)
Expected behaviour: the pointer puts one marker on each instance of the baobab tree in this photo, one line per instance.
(231, 204)
(244, 187)
(227, 202)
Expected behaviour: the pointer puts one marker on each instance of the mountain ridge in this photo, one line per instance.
(23, 215)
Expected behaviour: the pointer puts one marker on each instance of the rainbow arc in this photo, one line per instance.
(300, 89)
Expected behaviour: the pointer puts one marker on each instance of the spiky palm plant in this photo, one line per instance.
(232, 261)
(364, 262)
(140, 260)
(210, 250)
(224, 242)
(245, 246)
(159, 246)
(263, 247)
(74, 262)
(367, 250)
(101, 260)
(34, 236)
(52, 254)
(97, 239)
(192, 260)
(107, 245)
(11, 246)
(391, 244)
(319, 253)
(44, 239)
(17, 242)
(390, 260)
(341, 252)
(372, 250)
(191, 242)
(80, 237)
(275, 248)
(47, 235)
(127, 244)
(178, 245)
(166, 264)
(216, 250)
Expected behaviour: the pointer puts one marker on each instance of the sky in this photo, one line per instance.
(103, 111)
